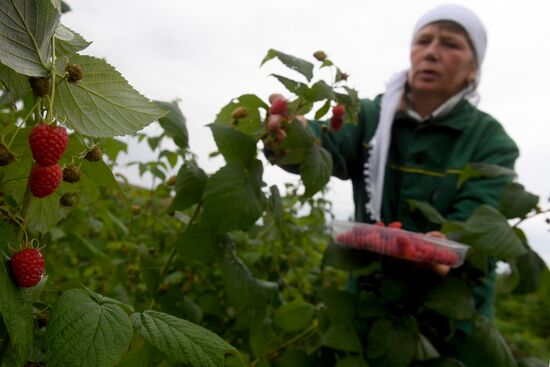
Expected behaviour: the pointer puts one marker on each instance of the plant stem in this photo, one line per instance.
(173, 253)
(49, 117)
(530, 217)
(21, 124)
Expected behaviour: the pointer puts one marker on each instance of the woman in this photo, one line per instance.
(412, 142)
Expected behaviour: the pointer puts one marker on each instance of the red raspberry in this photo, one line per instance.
(336, 123)
(48, 143)
(396, 225)
(406, 248)
(44, 180)
(424, 250)
(27, 267)
(279, 106)
(338, 111)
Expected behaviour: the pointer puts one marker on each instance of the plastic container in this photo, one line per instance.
(399, 243)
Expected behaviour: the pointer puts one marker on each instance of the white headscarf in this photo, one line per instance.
(391, 100)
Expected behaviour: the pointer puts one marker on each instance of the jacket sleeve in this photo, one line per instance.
(495, 148)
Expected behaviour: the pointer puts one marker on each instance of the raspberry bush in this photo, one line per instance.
(211, 269)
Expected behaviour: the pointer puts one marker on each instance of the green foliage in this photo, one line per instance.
(223, 268)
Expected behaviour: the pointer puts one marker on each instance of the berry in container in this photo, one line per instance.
(393, 241)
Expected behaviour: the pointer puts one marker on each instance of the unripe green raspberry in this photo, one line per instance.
(94, 154)
(71, 173)
(6, 157)
(40, 86)
(68, 199)
(74, 72)
(320, 55)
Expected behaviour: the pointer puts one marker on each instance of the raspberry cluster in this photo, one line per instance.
(397, 243)
(48, 143)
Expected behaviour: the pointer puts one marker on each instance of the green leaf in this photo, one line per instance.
(233, 197)
(530, 267)
(174, 123)
(322, 111)
(340, 305)
(140, 354)
(16, 311)
(199, 243)
(235, 146)
(392, 342)
(487, 230)
(26, 31)
(276, 205)
(154, 142)
(43, 213)
(429, 212)
(17, 85)
(316, 169)
(100, 174)
(244, 291)
(182, 340)
(68, 42)
(301, 66)
(487, 347)
(103, 104)
(476, 170)
(7, 235)
(347, 258)
(296, 358)
(354, 361)
(86, 331)
(319, 91)
(113, 147)
(292, 85)
(531, 362)
(298, 137)
(516, 202)
(342, 336)
(425, 349)
(452, 298)
(190, 186)
(251, 123)
(171, 157)
(294, 316)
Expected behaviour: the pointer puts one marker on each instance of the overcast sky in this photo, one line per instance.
(207, 52)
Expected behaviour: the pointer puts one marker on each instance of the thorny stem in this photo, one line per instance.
(173, 253)
(303, 335)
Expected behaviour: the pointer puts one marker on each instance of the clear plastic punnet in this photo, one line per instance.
(399, 243)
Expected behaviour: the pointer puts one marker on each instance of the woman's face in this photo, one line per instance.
(442, 61)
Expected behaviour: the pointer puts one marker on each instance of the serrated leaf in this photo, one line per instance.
(103, 104)
(174, 123)
(301, 66)
(182, 340)
(342, 336)
(516, 202)
(475, 170)
(251, 123)
(43, 213)
(316, 169)
(247, 293)
(199, 243)
(235, 146)
(16, 311)
(487, 347)
(429, 212)
(26, 31)
(319, 91)
(298, 137)
(233, 197)
(294, 316)
(68, 42)
(393, 343)
(104, 331)
(530, 267)
(100, 174)
(487, 230)
(292, 86)
(17, 85)
(190, 185)
(452, 298)
(113, 147)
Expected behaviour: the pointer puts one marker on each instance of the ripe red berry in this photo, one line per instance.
(279, 106)
(338, 110)
(396, 225)
(336, 123)
(406, 248)
(274, 123)
(48, 143)
(275, 96)
(44, 180)
(27, 267)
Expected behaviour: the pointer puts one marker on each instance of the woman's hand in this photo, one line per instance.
(439, 269)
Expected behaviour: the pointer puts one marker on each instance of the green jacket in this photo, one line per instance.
(424, 163)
